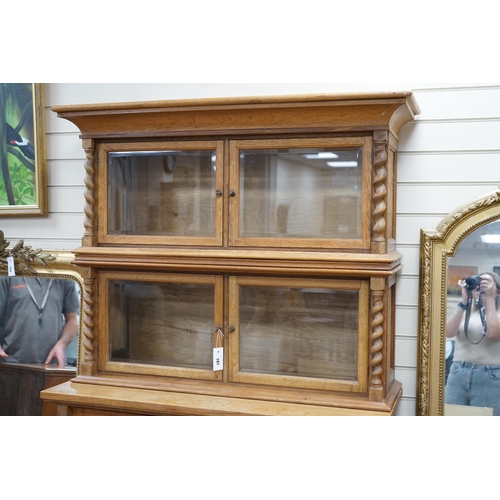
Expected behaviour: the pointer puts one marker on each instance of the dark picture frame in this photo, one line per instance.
(23, 170)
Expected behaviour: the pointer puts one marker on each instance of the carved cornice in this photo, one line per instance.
(343, 112)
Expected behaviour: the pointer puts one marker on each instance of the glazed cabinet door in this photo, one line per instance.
(287, 193)
(289, 332)
(301, 193)
(305, 333)
(160, 193)
(160, 323)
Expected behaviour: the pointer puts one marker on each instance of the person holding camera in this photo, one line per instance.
(474, 378)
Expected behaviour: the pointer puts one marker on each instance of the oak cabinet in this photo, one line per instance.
(239, 256)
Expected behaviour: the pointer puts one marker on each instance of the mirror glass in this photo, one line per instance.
(38, 320)
(472, 369)
(39, 334)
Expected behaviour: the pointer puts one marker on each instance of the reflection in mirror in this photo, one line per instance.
(40, 314)
(38, 319)
(459, 337)
(472, 370)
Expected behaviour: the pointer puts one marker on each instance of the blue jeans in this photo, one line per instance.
(471, 384)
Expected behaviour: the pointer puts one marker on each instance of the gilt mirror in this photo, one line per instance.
(51, 288)
(464, 245)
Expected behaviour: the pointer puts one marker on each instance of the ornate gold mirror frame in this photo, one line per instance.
(436, 246)
(31, 262)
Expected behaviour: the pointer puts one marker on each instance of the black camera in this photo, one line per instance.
(472, 282)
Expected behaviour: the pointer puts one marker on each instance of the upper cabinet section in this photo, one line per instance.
(289, 172)
(283, 193)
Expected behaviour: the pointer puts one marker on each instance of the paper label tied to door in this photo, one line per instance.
(218, 359)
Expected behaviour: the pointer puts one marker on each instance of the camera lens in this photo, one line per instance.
(472, 282)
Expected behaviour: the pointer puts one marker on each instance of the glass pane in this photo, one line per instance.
(307, 332)
(301, 193)
(169, 324)
(167, 193)
(470, 352)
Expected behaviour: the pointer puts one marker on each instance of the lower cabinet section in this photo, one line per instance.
(225, 344)
(83, 399)
(284, 332)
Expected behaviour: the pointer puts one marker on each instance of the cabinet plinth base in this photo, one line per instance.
(83, 399)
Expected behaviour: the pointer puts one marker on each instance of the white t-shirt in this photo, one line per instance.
(477, 349)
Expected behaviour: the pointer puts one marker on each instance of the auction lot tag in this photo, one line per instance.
(218, 359)
(10, 266)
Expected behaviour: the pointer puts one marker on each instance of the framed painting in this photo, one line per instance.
(23, 171)
(456, 274)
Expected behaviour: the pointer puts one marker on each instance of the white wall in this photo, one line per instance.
(449, 155)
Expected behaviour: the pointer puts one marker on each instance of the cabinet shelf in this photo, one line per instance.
(232, 261)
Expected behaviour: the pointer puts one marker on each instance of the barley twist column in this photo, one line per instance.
(377, 345)
(379, 223)
(89, 221)
(88, 365)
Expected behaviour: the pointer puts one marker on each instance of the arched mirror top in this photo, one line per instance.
(458, 234)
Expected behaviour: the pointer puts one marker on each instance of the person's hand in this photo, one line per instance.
(465, 295)
(58, 352)
(488, 286)
(3, 354)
